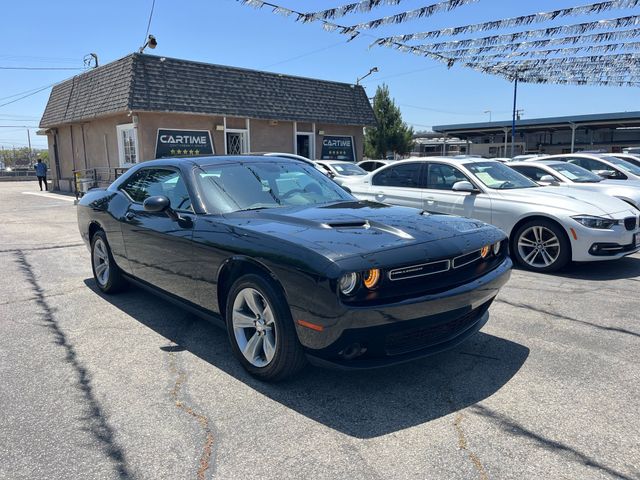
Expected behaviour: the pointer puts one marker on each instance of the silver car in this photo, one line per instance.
(342, 172)
(548, 226)
(553, 172)
(629, 157)
(605, 165)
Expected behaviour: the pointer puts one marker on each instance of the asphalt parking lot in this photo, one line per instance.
(130, 386)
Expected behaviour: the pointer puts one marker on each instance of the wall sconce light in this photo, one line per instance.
(220, 128)
(320, 132)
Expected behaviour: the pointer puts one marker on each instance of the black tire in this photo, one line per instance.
(561, 255)
(289, 357)
(113, 281)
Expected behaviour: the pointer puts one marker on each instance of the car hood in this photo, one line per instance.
(573, 200)
(347, 229)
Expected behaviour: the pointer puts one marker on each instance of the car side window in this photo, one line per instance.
(534, 173)
(160, 181)
(368, 166)
(135, 186)
(589, 164)
(443, 177)
(405, 175)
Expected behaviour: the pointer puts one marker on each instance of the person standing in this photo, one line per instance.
(41, 173)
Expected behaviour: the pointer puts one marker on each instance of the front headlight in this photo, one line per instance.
(348, 283)
(595, 222)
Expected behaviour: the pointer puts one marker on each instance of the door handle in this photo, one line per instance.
(129, 215)
(430, 201)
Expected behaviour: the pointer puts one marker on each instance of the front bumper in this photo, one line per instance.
(399, 332)
(593, 245)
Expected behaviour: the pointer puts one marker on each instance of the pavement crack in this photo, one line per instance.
(182, 404)
(463, 444)
(513, 428)
(95, 416)
(37, 249)
(564, 317)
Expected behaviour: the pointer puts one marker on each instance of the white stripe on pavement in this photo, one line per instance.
(51, 195)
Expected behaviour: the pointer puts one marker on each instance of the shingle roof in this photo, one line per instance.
(148, 83)
(95, 93)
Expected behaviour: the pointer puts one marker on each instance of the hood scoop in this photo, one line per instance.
(348, 224)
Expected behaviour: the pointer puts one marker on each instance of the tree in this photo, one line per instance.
(391, 134)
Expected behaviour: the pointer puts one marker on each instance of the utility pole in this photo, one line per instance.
(30, 151)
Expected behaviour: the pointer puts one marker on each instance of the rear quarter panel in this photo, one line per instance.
(105, 209)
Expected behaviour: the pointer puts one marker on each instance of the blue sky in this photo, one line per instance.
(59, 34)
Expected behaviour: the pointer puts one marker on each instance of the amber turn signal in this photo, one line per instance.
(371, 278)
(485, 251)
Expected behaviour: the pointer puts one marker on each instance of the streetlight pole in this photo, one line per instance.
(373, 70)
(513, 121)
(489, 112)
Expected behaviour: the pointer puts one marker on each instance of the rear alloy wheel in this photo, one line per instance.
(105, 271)
(261, 330)
(541, 246)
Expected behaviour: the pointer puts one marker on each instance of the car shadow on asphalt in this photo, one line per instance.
(361, 404)
(622, 269)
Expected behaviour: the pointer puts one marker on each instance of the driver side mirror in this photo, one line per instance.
(464, 186)
(156, 204)
(549, 179)
(159, 204)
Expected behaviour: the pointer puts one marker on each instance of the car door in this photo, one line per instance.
(158, 247)
(399, 184)
(440, 197)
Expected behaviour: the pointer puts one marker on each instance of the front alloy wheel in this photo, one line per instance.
(261, 330)
(254, 327)
(541, 246)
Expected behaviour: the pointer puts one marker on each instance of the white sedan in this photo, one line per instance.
(553, 172)
(341, 172)
(605, 165)
(548, 226)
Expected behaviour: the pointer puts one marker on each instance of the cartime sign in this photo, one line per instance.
(175, 143)
(338, 148)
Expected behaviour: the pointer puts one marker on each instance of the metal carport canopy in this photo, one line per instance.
(603, 120)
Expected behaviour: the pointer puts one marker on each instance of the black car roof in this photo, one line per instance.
(204, 160)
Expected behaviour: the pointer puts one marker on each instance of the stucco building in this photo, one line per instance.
(143, 107)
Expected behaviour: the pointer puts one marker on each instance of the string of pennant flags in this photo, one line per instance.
(577, 29)
(460, 51)
(525, 55)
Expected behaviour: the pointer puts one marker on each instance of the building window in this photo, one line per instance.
(127, 144)
(237, 142)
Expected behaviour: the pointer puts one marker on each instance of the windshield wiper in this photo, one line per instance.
(253, 208)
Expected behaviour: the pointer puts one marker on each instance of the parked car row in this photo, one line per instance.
(548, 227)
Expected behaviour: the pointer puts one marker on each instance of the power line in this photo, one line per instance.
(153, 4)
(41, 68)
(28, 95)
(18, 94)
(304, 55)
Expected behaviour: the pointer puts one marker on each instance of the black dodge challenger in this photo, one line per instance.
(291, 264)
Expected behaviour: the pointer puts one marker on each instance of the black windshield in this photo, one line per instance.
(258, 185)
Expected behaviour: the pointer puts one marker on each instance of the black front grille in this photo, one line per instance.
(424, 337)
(630, 223)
